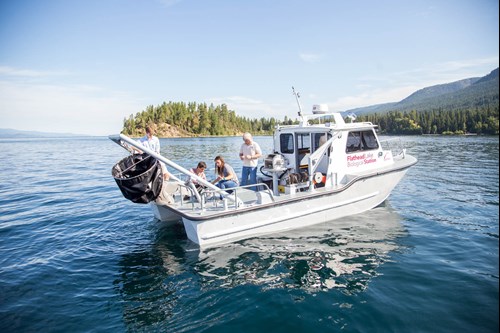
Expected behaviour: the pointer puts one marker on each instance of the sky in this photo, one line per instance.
(83, 66)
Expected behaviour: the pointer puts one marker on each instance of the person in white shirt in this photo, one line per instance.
(150, 140)
(249, 153)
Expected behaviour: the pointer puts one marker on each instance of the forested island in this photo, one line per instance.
(179, 119)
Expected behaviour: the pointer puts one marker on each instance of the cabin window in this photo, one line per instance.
(361, 140)
(369, 140)
(286, 143)
(303, 142)
(303, 149)
(320, 139)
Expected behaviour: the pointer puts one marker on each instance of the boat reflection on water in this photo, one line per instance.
(157, 280)
(344, 253)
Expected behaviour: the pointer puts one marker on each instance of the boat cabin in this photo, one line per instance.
(322, 150)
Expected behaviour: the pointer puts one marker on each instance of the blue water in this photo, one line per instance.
(75, 256)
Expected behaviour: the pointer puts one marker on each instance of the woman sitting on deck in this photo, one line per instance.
(226, 178)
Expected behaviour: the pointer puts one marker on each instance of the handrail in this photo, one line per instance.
(237, 201)
(266, 189)
(396, 148)
(191, 191)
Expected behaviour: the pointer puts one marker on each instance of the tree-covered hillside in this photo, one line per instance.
(466, 106)
(477, 120)
(460, 95)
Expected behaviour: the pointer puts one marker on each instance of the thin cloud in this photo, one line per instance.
(169, 3)
(448, 71)
(311, 57)
(426, 13)
(372, 97)
(393, 87)
(468, 66)
(250, 107)
(17, 72)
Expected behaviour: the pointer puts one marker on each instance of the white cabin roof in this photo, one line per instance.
(338, 123)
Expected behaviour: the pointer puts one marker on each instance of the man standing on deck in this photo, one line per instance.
(150, 140)
(249, 153)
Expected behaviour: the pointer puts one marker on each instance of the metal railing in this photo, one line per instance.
(395, 145)
(218, 197)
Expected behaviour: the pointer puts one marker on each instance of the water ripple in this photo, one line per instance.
(77, 257)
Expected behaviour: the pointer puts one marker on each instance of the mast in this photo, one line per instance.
(297, 95)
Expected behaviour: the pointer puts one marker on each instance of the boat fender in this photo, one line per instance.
(318, 177)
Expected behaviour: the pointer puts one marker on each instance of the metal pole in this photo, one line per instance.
(297, 95)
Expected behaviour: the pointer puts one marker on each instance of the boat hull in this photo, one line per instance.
(362, 195)
(164, 214)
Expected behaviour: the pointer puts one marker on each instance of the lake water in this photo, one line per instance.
(75, 256)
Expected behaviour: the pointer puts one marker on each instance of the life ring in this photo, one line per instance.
(319, 178)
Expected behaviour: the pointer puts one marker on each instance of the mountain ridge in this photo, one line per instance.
(14, 134)
(461, 94)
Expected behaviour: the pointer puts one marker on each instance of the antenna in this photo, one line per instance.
(352, 116)
(297, 95)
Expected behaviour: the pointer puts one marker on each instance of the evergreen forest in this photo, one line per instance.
(195, 119)
(178, 119)
(481, 120)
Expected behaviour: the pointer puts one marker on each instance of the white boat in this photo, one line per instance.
(319, 170)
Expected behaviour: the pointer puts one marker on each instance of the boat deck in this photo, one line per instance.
(244, 199)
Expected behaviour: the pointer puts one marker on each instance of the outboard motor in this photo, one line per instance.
(139, 177)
